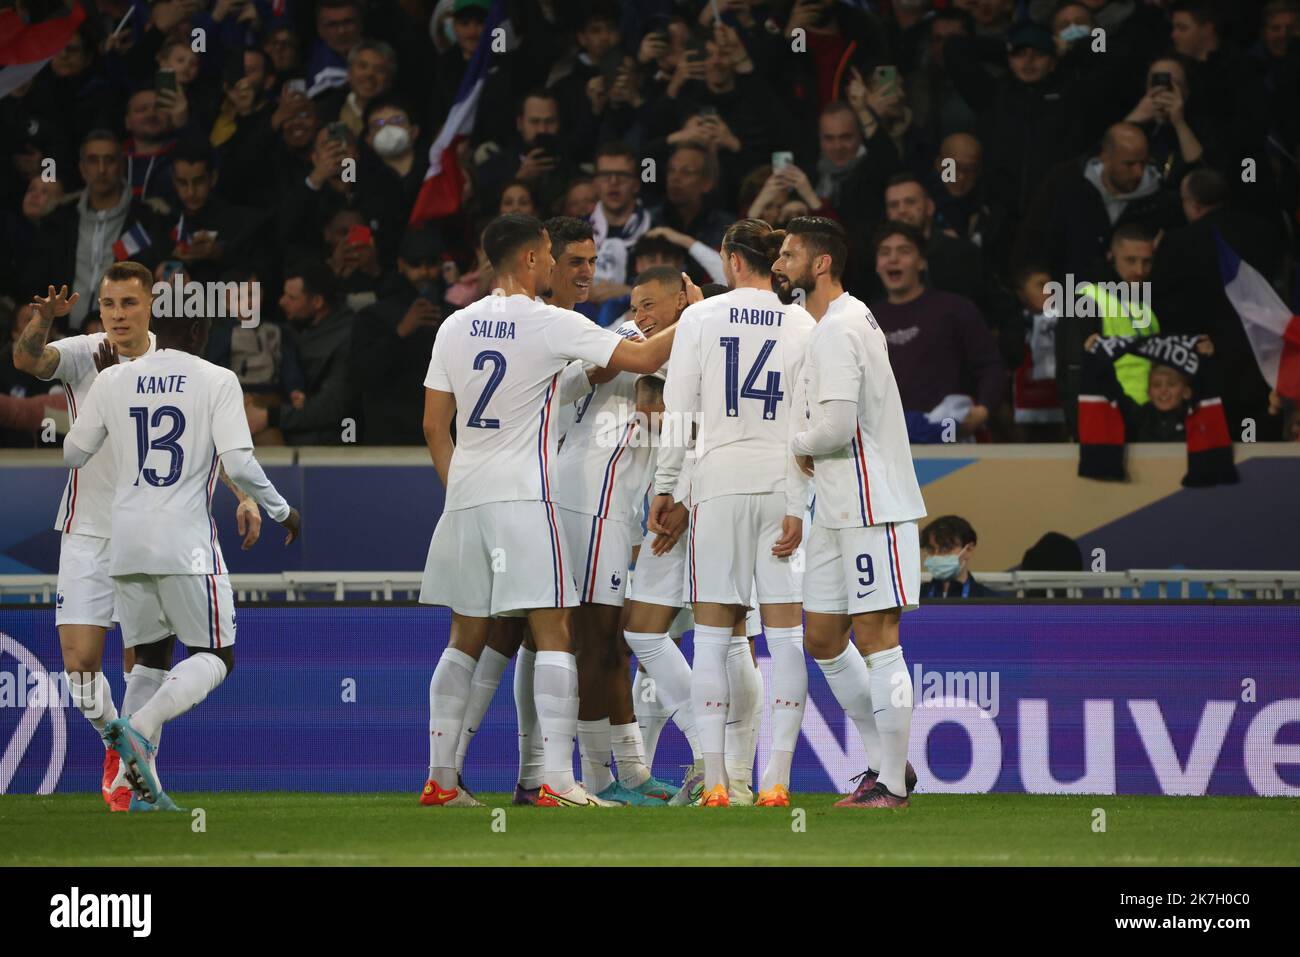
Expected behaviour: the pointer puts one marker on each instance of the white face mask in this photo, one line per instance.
(392, 141)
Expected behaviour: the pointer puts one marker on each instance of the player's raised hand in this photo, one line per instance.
(693, 293)
(293, 524)
(55, 303)
(105, 356)
(248, 521)
(791, 536)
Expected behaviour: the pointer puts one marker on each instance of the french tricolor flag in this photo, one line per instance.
(131, 242)
(1272, 328)
(25, 48)
(443, 182)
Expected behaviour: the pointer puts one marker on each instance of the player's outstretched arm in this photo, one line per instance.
(645, 357)
(248, 517)
(32, 354)
(244, 470)
(439, 413)
(88, 432)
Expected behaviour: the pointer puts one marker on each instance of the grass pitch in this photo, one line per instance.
(392, 829)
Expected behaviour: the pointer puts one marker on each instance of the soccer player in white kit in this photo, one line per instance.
(170, 417)
(735, 368)
(84, 608)
(863, 564)
(498, 547)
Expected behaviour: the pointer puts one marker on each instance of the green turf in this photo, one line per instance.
(362, 829)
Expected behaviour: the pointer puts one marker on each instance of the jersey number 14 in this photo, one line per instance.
(769, 396)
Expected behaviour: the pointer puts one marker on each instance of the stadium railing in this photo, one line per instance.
(1138, 583)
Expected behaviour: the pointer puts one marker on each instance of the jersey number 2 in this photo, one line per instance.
(168, 442)
(476, 420)
(769, 396)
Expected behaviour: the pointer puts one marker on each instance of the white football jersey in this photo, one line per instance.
(735, 369)
(503, 358)
(606, 458)
(167, 417)
(871, 480)
(88, 492)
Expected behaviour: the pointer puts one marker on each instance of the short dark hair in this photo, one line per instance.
(657, 246)
(317, 279)
(194, 151)
(659, 274)
(616, 148)
(100, 135)
(538, 93)
(1131, 232)
(564, 230)
(754, 241)
(947, 531)
(825, 237)
(1202, 11)
(1207, 186)
(127, 270)
(508, 234)
(906, 176)
(895, 228)
(385, 101)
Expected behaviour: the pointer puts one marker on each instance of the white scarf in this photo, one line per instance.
(614, 252)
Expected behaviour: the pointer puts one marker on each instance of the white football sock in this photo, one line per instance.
(186, 685)
(629, 754)
(597, 754)
(555, 689)
(141, 685)
(93, 697)
(789, 696)
(867, 729)
(651, 715)
(891, 693)
(745, 711)
(710, 697)
(448, 696)
(530, 734)
(664, 662)
(482, 688)
(850, 682)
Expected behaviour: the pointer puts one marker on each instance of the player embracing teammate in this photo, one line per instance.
(732, 376)
(862, 554)
(499, 547)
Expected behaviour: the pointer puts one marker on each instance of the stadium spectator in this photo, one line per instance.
(618, 220)
(947, 546)
(209, 234)
(953, 264)
(260, 352)
(152, 121)
(392, 340)
(936, 105)
(1082, 202)
(958, 188)
(284, 48)
(353, 258)
(536, 155)
(1031, 116)
(75, 243)
(18, 389)
(1163, 417)
(1190, 294)
(245, 106)
(939, 346)
(18, 230)
(372, 64)
(692, 177)
(1029, 346)
(851, 172)
(778, 197)
(390, 170)
(1113, 304)
(580, 198)
(517, 197)
(338, 28)
(321, 330)
(1176, 137)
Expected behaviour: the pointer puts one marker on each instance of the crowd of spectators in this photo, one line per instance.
(974, 150)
